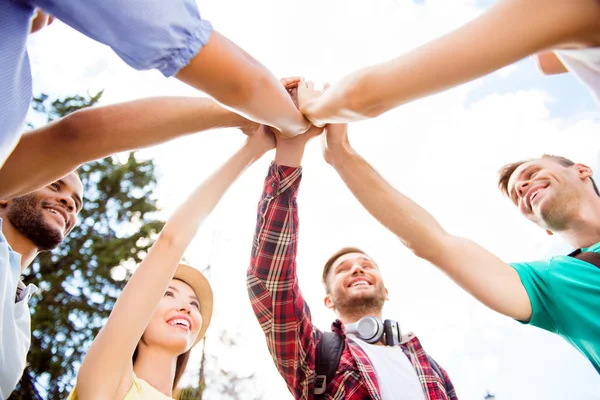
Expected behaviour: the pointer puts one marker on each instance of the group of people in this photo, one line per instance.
(166, 307)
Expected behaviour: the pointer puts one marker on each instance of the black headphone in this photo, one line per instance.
(372, 330)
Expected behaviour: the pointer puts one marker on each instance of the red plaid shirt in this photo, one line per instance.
(285, 317)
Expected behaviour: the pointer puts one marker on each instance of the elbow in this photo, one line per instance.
(74, 128)
(433, 249)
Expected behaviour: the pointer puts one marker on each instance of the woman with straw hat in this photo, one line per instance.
(165, 308)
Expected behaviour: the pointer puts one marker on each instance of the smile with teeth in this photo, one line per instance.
(534, 194)
(180, 322)
(360, 283)
(55, 212)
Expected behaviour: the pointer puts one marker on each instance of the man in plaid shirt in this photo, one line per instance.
(354, 290)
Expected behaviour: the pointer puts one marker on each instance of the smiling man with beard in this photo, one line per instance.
(30, 224)
(561, 295)
(373, 360)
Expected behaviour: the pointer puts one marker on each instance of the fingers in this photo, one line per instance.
(290, 82)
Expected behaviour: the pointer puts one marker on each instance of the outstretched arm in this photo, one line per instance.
(489, 279)
(48, 153)
(113, 348)
(271, 279)
(509, 31)
(234, 78)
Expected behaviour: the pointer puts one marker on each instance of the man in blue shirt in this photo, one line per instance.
(29, 224)
(168, 36)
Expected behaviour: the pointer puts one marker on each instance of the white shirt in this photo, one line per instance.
(15, 321)
(585, 65)
(396, 375)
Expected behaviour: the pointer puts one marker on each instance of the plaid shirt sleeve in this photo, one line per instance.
(450, 391)
(273, 285)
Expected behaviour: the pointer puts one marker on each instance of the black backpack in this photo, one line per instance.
(329, 353)
(587, 256)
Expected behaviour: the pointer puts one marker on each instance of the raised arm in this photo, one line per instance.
(62, 146)
(234, 78)
(489, 279)
(271, 279)
(507, 32)
(109, 359)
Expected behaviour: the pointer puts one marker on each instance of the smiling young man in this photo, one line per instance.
(30, 224)
(355, 289)
(561, 295)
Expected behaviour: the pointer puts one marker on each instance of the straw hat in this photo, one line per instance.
(199, 284)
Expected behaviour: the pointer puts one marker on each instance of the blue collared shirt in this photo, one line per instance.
(147, 34)
(15, 321)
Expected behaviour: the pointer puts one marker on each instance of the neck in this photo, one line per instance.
(157, 367)
(352, 317)
(583, 228)
(20, 244)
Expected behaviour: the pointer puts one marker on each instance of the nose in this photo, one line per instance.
(185, 307)
(521, 187)
(357, 269)
(67, 202)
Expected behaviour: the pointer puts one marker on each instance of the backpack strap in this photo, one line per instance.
(328, 356)
(329, 353)
(587, 256)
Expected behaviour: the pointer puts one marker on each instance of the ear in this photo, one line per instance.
(3, 203)
(583, 171)
(328, 301)
(549, 233)
(387, 294)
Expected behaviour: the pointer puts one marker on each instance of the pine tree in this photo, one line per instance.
(80, 280)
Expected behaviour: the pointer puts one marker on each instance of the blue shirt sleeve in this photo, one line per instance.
(534, 276)
(147, 34)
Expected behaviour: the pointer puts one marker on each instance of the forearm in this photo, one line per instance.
(234, 78)
(93, 133)
(413, 225)
(507, 32)
(272, 282)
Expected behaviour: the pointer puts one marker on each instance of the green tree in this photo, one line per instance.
(80, 281)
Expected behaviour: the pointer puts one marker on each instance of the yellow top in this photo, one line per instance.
(140, 390)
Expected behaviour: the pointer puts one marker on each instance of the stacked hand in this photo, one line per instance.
(335, 142)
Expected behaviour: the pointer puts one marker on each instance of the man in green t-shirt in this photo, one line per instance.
(561, 295)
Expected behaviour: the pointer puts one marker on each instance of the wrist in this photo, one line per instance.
(339, 156)
(289, 155)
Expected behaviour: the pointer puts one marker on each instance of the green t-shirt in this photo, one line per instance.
(565, 299)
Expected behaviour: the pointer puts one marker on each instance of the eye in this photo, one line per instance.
(55, 186)
(196, 305)
(168, 293)
(533, 173)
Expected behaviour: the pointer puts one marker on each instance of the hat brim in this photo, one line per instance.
(199, 284)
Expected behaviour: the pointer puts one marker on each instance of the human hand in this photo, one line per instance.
(261, 141)
(334, 142)
(307, 94)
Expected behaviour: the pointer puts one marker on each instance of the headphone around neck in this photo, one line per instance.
(372, 330)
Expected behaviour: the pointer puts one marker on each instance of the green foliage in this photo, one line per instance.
(78, 291)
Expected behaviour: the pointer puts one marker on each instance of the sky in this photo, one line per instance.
(443, 151)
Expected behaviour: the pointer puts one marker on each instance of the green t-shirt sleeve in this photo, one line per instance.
(534, 276)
